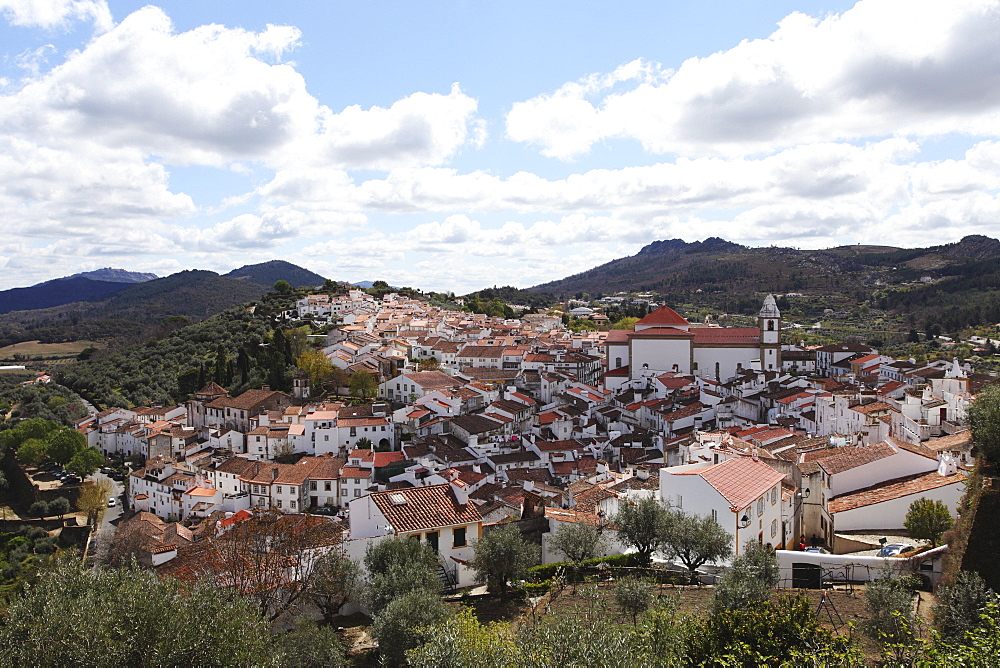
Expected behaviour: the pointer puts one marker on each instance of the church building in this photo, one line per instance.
(665, 342)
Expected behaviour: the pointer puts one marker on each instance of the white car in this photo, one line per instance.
(112, 502)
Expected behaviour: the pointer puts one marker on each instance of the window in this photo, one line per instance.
(715, 515)
(327, 486)
(680, 501)
(357, 493)
(291, 504)
(354, 431)
(279, 503)
(312, 485)
(774, 496)
(459, 537)
(343, 492)
(278, 489)
(292, 490)
(774, 528)
(760, 506)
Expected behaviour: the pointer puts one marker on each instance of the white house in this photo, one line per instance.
(742, 494)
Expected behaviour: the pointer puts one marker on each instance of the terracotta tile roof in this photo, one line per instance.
(740, 480)
(420, 508)
(662, 331)
(733, 335)
(853, 456)
(355, 472)
(893, 489)
(875, 406)
(915, 448)
(561, 515)
(956, 441)
(432, 380)
(664, 316)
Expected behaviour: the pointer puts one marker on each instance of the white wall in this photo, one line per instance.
(728, 359)
(660, 355)
(889, 515)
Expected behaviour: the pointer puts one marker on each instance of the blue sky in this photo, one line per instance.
(467, 144)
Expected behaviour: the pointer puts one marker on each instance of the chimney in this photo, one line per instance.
(460, 490)
(642, 473)
(266, 388)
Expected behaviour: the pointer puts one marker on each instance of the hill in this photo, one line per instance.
(56, 293)
(113, 275)
(268, 273)
(134, 311)
(956, 284)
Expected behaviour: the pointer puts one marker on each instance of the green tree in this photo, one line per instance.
(633, 597)
(64, 444)
(785, 632)
(59, 506)
(142, 621)
(32, 451)
(363, 385)
(749, 580)
(927, 520)
(336, 579)
(397, 626)
(578, 541)
(282, 287)
(695, 540)
(309, 645)
(625, 323)
(85, 462)
(314, 363)
(642, 525)
(960, 606)
(501, 556)
(396, 566)
(429, 364)
(891, 620)
(984, 421)
(363, 443)
(460, 641)
(39, 509)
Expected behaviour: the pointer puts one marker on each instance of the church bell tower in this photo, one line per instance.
(769, 321)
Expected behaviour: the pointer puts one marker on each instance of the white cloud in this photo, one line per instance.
(906, 67)
(53, 14)
(421, 129)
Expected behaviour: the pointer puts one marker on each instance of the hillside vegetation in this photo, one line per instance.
(956, 285)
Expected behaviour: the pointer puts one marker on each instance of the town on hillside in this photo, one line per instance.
(823, 448)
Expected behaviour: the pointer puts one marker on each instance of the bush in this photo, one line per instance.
(960, 606)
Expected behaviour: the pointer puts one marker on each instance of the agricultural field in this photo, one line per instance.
(34, 350)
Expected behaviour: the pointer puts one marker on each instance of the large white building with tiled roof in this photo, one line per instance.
(742, 494)
(664, 342)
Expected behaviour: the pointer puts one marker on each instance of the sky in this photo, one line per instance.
(458, 145)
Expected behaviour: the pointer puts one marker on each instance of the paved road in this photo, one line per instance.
(101, 539)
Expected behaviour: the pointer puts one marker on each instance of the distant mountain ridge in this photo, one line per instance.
(112, 275)
(956, 284)
(269, 273)
(56, 293)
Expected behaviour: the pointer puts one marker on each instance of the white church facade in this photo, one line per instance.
(665, 342)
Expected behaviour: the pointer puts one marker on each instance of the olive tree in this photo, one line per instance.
(642, 525)
(749, 580)
(695, 540)
(578, 541)
(501, 556)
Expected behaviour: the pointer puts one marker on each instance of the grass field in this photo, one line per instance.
(29, 350)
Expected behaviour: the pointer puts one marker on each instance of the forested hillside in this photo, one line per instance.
(240, 348)
(956, 285)
(135, 312)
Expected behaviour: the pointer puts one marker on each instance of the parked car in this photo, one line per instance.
(70, 480)
(817, 550)
(892, 550)
(112, 502)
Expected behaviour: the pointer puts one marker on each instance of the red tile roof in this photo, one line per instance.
(424, 508)
(664, 316)
(732, 335)
(740, 480)
(893, 489)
